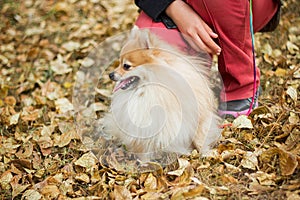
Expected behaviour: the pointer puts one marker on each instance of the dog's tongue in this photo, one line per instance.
(121, 84)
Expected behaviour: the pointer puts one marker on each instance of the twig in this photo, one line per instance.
(272, 129)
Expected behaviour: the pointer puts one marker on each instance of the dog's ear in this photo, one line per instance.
(134, 32)
(145, 38)
(142, 35)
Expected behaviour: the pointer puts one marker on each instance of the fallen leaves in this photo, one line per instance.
(242, 122)
(41, 153)
(288, 162)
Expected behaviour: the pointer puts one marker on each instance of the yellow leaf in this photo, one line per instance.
(280, 72)
(68, 85)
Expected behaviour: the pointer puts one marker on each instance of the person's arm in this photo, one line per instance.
(153, 8)
(197, 33)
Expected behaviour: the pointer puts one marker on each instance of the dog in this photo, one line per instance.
(162, 100)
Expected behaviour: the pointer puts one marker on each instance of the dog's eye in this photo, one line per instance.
(126, 66)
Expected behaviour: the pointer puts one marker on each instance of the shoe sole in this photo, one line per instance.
(235, 114)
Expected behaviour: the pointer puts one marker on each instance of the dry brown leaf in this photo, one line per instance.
(250, 160)
(122, 193)
(51, 90)
(68, 133)
(30, 114)
(14, 119)
(293, 118)
(293, 195)
(262, 178)
(287, 161)
(10, 100)
(82, 177)
(25, 151)
(71, 46)
(43, 45)
(242, 121)
(17, 188)
(50, 191)
(5, 180)
(183, 164)
(31, 195)
(66, 187)
(150, 183)
(63, 105)
(88, 161)
(228, 179)
(45, 142)
(196, 192)
(292, 92)
(59, 66)
(292, 48)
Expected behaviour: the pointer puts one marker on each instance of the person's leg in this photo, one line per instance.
(263, 11)
(230, 19)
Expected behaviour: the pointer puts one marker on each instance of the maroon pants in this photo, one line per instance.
(230, 19)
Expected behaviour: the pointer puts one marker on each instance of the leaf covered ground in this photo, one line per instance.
(42, 46)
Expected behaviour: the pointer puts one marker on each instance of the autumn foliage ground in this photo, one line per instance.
(42, 46)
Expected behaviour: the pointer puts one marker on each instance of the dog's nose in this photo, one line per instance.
(112, 76)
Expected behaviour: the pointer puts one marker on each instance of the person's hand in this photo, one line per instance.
(196, 32)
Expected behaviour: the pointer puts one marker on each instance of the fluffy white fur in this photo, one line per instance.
(171, 108)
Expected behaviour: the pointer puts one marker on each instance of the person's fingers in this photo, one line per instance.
(210, 43)
(199, 34)
(210, 31)
(192, 44)
(197, 44)
(207, 39)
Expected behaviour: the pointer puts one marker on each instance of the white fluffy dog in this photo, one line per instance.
(162, 100)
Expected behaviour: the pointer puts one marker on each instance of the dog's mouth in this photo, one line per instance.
(128, 83)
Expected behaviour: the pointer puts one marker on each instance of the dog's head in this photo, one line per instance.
(139, 50)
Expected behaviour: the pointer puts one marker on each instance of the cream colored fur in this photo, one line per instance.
(172, 109)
